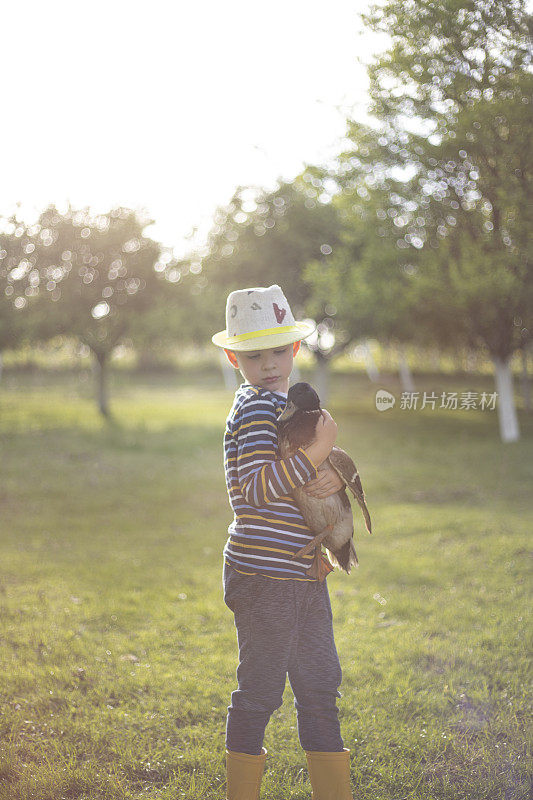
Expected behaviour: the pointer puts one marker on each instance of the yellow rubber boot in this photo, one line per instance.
(329, 774)
(244, 773)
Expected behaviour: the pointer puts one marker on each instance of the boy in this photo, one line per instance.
(282, 613)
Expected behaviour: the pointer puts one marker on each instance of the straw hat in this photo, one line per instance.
(259, 318)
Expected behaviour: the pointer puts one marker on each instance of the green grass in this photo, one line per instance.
(118, 655)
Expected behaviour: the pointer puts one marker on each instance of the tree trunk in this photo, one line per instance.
(524, 379)
(230, 374)
(406, 378)
(371, 369)
(321, 378)
(386, 358)
(1, 363)
(435, 359)
(296, 375)
(458, 361)
(100, 366)
(471, 361)
(505, 403)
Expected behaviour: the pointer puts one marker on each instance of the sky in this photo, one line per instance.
(169, 106)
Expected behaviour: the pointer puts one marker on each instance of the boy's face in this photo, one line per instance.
(267, 368)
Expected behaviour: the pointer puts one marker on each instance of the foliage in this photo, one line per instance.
(452, 102)
(263, 237)
(98, 271)
(17, 293)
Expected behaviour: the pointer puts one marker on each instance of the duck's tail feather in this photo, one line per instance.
(345, 558)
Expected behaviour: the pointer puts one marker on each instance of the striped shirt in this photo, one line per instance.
(268, 527)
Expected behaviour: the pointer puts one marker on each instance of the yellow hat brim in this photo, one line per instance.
(304, 329)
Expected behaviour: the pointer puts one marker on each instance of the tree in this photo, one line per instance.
(170, 320)
(98, 274)
(369, 277)
(452, 98)
(264, 237)
(17, 285)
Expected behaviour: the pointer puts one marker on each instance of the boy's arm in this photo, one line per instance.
(262, 477)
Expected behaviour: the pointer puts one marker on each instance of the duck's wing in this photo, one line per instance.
(344, 497)
(346, 469)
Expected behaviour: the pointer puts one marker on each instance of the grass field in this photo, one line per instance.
(118, 655)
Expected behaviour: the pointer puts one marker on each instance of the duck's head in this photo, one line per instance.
(300, 397)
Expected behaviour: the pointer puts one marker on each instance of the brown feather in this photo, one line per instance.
(347, 471)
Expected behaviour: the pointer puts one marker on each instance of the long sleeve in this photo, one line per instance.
(262, 478)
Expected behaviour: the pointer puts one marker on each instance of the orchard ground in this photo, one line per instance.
(118, 655)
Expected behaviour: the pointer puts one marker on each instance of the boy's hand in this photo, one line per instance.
(326, 429)
(325, 435)
(327, 483)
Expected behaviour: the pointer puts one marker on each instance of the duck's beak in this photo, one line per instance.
(287, 412)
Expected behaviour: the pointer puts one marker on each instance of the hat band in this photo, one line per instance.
(265, 332)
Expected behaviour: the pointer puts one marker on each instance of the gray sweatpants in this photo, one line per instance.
(283, 626)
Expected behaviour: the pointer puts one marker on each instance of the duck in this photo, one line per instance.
(329, 518)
